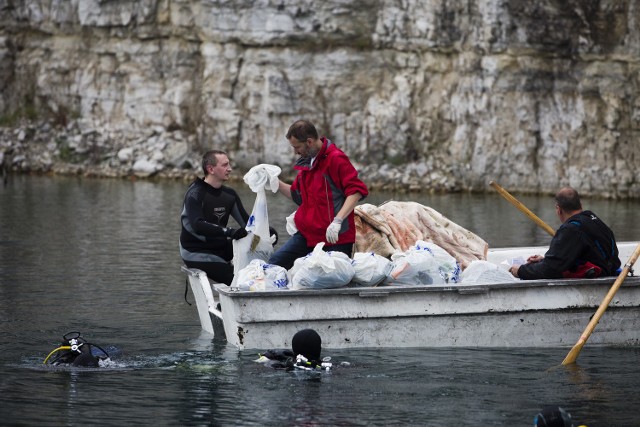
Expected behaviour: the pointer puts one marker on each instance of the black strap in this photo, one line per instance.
(186, 290)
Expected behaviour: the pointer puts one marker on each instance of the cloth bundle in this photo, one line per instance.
(397, 226)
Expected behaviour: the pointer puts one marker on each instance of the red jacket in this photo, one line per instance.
(320, 192)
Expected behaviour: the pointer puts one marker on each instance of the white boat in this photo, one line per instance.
(535, 313)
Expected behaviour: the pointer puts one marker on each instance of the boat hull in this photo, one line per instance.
(523, 314)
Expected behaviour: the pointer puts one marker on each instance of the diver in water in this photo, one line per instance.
(553, 416)
(307, 347)
(76, 351)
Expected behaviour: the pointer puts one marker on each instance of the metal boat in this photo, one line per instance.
(535, 313)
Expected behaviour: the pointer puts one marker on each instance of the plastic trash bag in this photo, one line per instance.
(321, 270)
(257, 244)
(260, 276)
(447, 264)
(483, 272)
(263, 177)
(414, 267)
(370, 268)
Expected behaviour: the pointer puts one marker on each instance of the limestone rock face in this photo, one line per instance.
(422, 94)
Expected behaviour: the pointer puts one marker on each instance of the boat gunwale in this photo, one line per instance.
(461, 288)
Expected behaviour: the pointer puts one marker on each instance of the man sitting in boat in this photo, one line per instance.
(583, 246)
(205, 239)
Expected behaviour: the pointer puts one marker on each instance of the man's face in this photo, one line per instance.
(222, 169)
(304, 149)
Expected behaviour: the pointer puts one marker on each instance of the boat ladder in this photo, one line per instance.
(206, 301)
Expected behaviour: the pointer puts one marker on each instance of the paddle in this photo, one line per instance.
(575, 351)
(522, 208)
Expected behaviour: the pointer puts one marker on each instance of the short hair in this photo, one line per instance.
(301, 130)
(211, 158)
(568, 199)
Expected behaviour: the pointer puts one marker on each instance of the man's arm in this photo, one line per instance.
(333, 231)
(284, 189)
(239, 213)
(564, 250)
(349, 204)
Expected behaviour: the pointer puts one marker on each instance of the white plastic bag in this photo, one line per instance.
(257, 244)
(447, 264)
(370, 268)
(260, 276)
(262, 177)
(322, 270)
(414, 267)
(482, 272)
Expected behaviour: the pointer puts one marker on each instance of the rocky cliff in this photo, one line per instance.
(422, 94)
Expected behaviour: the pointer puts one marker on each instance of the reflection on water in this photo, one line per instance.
(100, 257)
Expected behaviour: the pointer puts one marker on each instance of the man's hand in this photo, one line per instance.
(334, 230)
(274, 236)
(534, 258)
(235, 233)
(514, 270)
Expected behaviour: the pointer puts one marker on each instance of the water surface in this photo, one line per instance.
(100, 257)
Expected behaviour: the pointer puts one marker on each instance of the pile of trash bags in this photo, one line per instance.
(425, 263)
(421, 263)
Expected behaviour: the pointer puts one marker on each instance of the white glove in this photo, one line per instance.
(333, 230)
(291, 224)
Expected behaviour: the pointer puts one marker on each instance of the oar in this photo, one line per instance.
(522, 208)
(575, 351)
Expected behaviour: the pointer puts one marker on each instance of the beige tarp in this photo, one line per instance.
(397, 226)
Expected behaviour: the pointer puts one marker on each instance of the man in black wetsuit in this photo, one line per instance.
(205, 240)
(583, 246)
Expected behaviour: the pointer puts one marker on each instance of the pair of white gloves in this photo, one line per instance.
(332, 233)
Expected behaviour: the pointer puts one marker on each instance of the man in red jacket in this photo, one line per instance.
(326, 190)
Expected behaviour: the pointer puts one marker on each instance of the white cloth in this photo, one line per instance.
(263, 177)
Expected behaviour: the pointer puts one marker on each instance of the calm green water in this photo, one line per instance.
(100, 256)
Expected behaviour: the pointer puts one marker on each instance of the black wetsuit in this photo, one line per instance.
(280, 359)
(582, 238)
(203, 241)
(287, 360)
